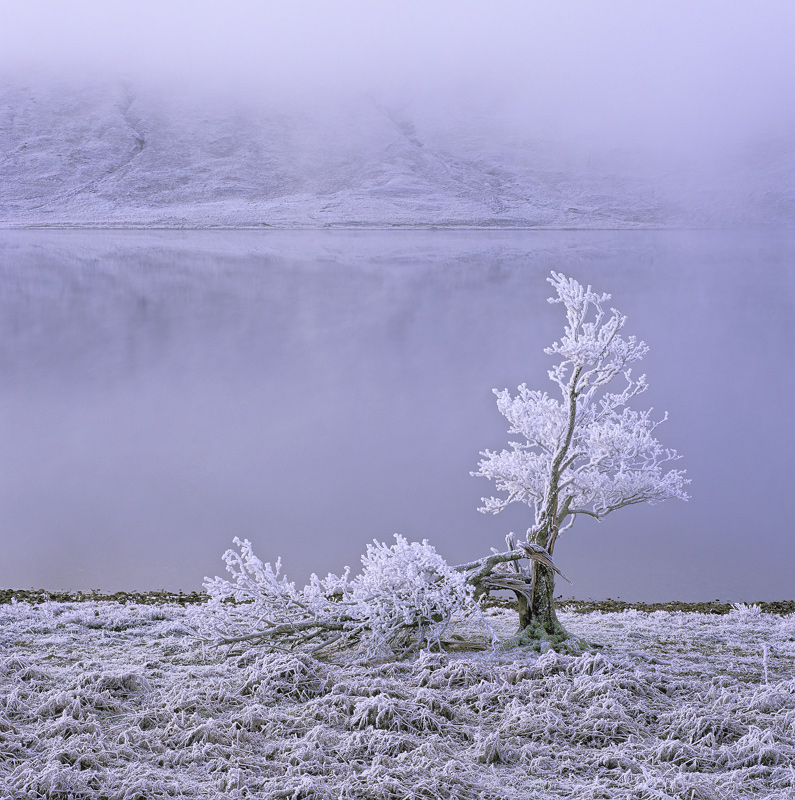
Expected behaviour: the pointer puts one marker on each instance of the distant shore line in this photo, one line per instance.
(379, 227)
(38, 596)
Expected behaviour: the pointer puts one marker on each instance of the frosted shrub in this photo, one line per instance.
(745, 613)
(402, 601)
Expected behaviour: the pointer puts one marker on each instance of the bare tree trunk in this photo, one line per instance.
(525, 616)
(541, 615)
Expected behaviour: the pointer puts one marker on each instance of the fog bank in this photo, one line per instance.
(313, 114)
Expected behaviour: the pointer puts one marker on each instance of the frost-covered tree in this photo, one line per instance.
(584, 452)
(404, 600)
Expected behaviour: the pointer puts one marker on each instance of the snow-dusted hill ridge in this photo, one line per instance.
(111, 156)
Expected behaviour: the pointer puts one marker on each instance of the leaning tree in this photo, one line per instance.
(585, 452)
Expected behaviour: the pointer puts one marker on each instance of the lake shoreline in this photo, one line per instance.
(162, 597)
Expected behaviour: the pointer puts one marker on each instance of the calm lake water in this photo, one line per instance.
(163, 392)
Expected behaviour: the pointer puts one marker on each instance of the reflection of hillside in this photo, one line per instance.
(111, 156)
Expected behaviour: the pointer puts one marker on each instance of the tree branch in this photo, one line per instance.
(484, 567)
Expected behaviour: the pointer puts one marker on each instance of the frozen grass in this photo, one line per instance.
(100, 700)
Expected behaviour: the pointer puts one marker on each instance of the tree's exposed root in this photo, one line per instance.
(536, 637)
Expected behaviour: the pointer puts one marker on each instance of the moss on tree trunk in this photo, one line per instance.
(539, 626)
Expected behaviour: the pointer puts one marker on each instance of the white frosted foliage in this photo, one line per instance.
(403, 600)
(586, 451)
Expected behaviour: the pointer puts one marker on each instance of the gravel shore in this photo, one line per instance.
(36, 596)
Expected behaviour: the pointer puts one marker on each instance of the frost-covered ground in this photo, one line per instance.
(113, 155)
(106, 700)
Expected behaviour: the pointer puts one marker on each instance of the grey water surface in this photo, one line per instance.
(163, 392)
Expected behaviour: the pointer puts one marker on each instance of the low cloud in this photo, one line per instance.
(670, 77)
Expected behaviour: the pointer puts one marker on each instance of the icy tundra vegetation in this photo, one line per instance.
(104, 701)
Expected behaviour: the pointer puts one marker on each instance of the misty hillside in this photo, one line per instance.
(113, 156)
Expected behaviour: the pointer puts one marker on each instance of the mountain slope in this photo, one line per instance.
(107, 156)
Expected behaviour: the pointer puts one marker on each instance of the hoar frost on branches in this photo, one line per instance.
(403, 600)
(585, 452)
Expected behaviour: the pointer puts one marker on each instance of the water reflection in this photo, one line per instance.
(163, 392)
